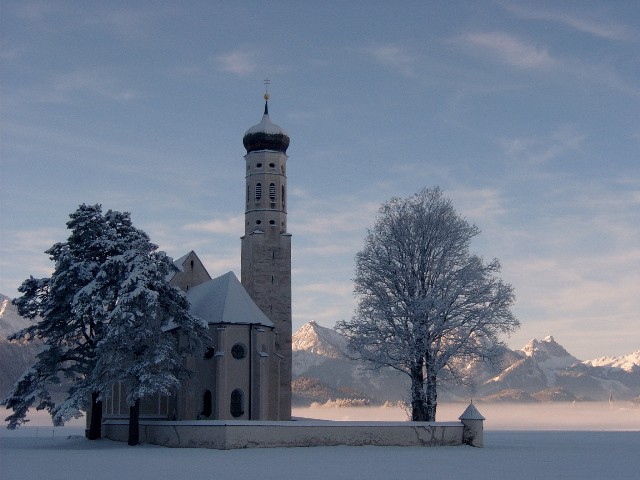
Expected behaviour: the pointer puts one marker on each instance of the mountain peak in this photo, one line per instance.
(629, 362)
(319, 340)
(548, 350)
(10, 321)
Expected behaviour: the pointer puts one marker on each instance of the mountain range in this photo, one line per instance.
(15, 357)
(541, 371)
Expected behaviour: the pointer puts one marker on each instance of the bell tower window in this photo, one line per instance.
(258, 191)
(272, 192)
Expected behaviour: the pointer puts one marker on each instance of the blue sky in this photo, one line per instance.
(526, 114)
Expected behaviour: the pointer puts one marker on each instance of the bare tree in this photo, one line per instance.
(425, 303)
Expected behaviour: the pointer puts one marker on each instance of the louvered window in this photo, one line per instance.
(272, 192)
(258, 191)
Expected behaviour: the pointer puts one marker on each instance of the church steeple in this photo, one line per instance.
(266, 245)
(266, 135)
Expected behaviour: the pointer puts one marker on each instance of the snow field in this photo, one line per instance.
(40, 451)
(508, 454)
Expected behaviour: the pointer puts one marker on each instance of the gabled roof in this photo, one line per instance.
(178, 264)
(224, 300)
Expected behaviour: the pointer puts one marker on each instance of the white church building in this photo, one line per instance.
(245, 373)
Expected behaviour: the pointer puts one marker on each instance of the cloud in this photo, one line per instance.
(478, 205)
(393, 57)
(95, 80)
(238, 62)
(539, 150)
(599, 27)
(228, 226)
(511, 50)
(22, 254)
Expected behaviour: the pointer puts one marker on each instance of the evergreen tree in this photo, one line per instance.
(149, 331)
(69, 335)
(108, 293)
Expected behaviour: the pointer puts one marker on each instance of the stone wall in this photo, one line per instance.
(225, 435)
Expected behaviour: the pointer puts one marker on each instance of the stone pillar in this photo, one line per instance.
(473, 422)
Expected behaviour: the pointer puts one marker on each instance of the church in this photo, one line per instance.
(245, 372)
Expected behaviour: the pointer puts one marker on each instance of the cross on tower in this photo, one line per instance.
(267, 82)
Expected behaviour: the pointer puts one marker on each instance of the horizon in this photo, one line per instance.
(525, 115)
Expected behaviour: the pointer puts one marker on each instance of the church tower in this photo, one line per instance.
(266, 245)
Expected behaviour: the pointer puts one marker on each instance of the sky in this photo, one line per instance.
(525, 114)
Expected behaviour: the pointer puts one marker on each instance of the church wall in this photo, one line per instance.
(193, 273)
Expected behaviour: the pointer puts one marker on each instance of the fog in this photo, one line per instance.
(598, 416)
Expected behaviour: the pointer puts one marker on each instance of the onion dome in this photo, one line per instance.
(266, 135)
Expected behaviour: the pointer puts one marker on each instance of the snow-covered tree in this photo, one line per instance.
(69, 336)
(137, 349)
(425, 303)
(108, 277)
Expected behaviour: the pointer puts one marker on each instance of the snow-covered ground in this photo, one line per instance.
(40, 451)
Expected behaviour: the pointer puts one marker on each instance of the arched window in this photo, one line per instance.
(283, 197)
(272, 192)
(258, 191)
(207, 404)
(237, 403)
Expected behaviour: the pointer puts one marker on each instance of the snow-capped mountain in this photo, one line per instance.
(312, 345)
(15, 357)
(10, 321)
(322, 372)
(548, 372)
(543, 370)
(628, 363)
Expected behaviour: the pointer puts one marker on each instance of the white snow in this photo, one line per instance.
(627, 362)
(266, 126)
(224, 300)
(63, 454)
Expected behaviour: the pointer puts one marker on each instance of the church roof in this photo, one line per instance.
(266, 135)
(224, 300)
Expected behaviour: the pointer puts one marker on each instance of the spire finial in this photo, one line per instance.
(266, 96)
(266, 88)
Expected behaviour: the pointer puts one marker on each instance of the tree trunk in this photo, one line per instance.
(134, 423)
(431, 395)
(418, 401)
(95, 427)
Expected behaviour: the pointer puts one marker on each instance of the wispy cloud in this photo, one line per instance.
(511, 49)
(599, 27)
(393, 57)
(479, 205)
(228, 226)
(95, 80)
(539, 150)
(238, 62)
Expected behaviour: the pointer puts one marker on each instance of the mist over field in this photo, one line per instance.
(519, 444)
(584, 416)
(597, 416)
